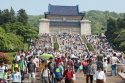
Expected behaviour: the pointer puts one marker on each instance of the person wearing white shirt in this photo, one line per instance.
(17, 57)
(99, 76)
(36, 61)
(45, 75)
(105, 65)
(114, 61)
(16, 76)
(2, 68)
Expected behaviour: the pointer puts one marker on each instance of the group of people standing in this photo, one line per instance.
(61, 68)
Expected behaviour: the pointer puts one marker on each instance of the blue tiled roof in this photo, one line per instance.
(64, 23)
(63, 10)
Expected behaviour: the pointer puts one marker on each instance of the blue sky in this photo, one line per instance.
(37, 7)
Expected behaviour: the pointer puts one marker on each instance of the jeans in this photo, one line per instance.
(89, 77)
(22, 75)
(83, 69)
(52, 78)
(32, 77)
(45, 80)
(113, 71)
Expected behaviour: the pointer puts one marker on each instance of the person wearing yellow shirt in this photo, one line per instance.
(15, 64)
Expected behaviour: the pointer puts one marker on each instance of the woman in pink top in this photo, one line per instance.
(84, 63)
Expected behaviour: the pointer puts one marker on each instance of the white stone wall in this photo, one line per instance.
(85, 27)
(63, 29)
(62, 17)
(44, 26)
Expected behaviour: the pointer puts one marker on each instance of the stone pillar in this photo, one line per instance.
(44, 26)
(85, 27)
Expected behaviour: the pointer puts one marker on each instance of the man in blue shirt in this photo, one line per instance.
(58, 73)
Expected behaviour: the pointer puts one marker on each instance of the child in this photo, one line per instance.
(99, 76)
(45, 75)
(16, 76)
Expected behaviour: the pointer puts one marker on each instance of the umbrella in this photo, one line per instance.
(73, 56)
(46, 56)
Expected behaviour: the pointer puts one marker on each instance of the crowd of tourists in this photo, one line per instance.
(62, 67)
(71, 44)
(44, 41)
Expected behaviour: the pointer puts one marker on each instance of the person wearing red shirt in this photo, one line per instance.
(58, 60)
(84, 63)
(68, 74)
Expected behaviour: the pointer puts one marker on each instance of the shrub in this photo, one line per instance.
(4, 58)
(56, 46)
(90, 47)
(83, 39)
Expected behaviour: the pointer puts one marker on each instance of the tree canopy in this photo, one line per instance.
(15, 30)
(22, 16)
(116, 32)
(98, 19)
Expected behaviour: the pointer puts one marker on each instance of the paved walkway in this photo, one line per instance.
(80, 78)
(110, 79)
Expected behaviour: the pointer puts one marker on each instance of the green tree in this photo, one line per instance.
(12, 15)
(111, 28)
(116, 32)
(10, 41)
(22, 16)
(5, 16)
(30, 33)
(26, 31)
(2, 35)
(1, 17)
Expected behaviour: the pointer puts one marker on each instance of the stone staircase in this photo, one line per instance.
(89, 45)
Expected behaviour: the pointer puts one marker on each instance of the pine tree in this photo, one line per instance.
(22, 16)
(12, 15)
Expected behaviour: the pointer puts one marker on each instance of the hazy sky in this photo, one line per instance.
(36, 7)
